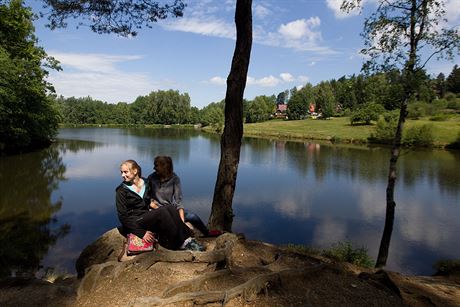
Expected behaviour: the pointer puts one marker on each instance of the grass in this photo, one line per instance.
(342, 252)
(338, 129)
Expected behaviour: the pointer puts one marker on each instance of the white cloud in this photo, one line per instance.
(209, 27)
(452, 11)
(97, 75)
(261, 11)
(301, 29)
(287, 77)
(92, 62)
(334, 5)
(217, 80)
(268, 81)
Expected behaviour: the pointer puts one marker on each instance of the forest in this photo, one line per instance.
(352, 96)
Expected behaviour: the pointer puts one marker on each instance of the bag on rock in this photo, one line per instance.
(138, 245)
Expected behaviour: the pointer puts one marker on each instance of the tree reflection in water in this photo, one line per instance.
(27, 213)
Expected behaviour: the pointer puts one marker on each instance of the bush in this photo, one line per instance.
(450, 97)
(419, 136)
(455, 144)
(385, 128)
(417, 110)
(366, 113)
(346, 253)
(454, 104)
(447, 267)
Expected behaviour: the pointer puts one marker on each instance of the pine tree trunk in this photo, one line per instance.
(222, 214)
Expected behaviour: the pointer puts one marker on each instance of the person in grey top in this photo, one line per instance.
(165, 189)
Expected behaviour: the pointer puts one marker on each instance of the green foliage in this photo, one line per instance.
(385, 128)
(453, 80)
(440, 117)
(260, 109)
(416, 110)
(455, 144)
(419, 136)
(299, 102)
(325, 100)
(213, 114)
(123, 17)
(27, 116)
(366, 113)
(345, 252)
(447, 267)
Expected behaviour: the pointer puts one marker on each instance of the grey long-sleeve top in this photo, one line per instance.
(167, 192)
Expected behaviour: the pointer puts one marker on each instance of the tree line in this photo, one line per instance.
(361, 97)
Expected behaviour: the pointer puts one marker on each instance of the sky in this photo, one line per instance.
(294, 42)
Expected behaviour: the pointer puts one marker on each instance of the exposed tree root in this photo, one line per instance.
(248, 290)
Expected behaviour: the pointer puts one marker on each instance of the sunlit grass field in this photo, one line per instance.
(339, 129)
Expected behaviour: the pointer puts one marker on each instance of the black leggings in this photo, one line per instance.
(167, 224)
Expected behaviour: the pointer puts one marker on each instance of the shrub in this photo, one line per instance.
(417, 110)
(454, 104)
(447, 267)
(455, 144)
(419, 136)
(385, 128)
(366, 113)
(346, 253)
(450, 96)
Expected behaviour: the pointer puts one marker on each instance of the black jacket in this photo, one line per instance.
(130, 207)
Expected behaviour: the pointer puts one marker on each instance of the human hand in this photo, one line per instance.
(148, 237)
(154, 204)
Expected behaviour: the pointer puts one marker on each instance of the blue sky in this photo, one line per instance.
(295, 41)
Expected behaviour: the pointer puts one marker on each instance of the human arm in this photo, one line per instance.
(181, 214)
(127, 219)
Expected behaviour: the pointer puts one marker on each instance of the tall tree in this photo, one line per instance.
(28, 117)
(222, 213)
(398, 35)
(124, 17)
(453, 80)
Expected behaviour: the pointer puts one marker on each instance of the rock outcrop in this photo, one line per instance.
(232, 271)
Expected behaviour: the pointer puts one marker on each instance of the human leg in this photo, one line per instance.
(166, 222)
(196, 222)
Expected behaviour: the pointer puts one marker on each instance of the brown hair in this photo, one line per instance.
(167, 162)
(132, 165)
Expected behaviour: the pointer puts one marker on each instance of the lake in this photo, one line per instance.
(56, 201)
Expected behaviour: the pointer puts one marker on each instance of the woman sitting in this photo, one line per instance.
(166, 189)
(132, 201)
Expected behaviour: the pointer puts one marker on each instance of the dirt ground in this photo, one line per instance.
(232, 271)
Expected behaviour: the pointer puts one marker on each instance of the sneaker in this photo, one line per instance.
(193, 245)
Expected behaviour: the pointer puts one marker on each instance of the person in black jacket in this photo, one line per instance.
(133, 200)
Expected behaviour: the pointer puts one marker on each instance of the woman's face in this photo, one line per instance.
(127, 174)
(160, 168)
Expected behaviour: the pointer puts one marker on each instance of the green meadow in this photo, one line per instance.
(339, 129)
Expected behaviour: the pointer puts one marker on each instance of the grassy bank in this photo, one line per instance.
(339, 129)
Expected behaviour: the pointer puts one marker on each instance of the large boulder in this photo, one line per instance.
(105, 248)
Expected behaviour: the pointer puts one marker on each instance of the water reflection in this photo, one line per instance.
(27, 213)
(287, 192)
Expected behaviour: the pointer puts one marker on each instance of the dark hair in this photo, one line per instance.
(167, 162)
(132, 165)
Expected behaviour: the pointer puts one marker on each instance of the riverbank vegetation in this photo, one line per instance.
(28, 117)
(361, 110)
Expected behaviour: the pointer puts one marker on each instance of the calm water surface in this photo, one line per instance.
(54, 202)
